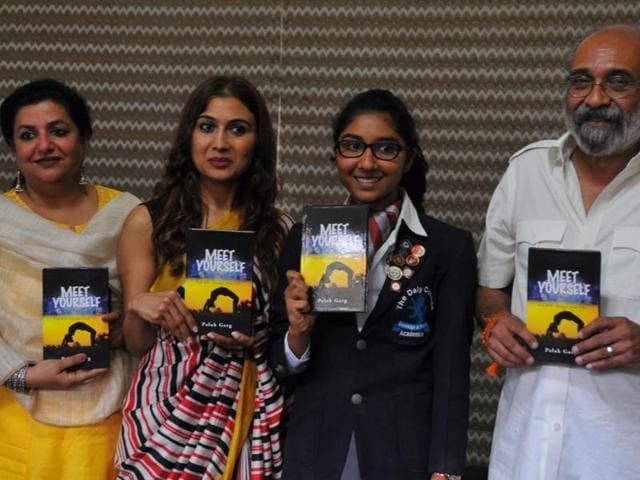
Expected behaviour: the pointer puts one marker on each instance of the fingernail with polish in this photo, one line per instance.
(575, 350)
(534, 345)
(589, 366)
(579, 360)
(530, 361)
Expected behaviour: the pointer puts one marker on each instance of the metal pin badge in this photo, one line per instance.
(413, 260)
(394, 273)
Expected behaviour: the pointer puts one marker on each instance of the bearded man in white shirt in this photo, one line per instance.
(581, 191)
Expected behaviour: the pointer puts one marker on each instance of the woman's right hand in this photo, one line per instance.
(296, 298)
(167, 310)
(54, 375)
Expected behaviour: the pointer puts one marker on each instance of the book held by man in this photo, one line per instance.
(563, 295)
(218, 290)
(334, 257)
(73, 303)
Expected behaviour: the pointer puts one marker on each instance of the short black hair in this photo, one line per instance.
(42, 90)
(414, 180)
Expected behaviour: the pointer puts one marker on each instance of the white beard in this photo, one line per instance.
(603, 141)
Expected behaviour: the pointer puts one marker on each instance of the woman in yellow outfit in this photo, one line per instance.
(203, 407)
(54, 422)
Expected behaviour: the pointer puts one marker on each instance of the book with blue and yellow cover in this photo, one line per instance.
(334, 256)
(73, 303)
(218, 290)
(563, 295)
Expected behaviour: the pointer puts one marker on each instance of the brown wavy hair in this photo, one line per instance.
(177, 194)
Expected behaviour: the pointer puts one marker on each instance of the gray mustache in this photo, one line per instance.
(611, 113)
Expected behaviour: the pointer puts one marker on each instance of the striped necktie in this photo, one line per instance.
(381, 223)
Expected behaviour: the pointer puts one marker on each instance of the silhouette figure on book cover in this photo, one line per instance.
(210, 304)
(68, 341)
(553, 331)
(325, 281)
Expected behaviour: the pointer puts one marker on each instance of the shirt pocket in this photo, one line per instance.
(535, 233)
(623, 266)
(540, 233)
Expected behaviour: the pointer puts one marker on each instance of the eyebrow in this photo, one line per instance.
(608, 73)
(49, 125)
(209, 117)
(379, 139)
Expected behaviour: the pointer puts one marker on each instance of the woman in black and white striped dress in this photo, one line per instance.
(203, 407)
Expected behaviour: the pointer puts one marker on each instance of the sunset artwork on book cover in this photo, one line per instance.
(219, 286)
(563, 295)
(73, 303)
(334, 257)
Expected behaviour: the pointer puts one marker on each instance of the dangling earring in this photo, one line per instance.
(83, 177)
(19, 188)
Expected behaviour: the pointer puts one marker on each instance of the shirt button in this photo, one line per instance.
(279, 368)
(356, 399)
(361, 344)
(557, 427)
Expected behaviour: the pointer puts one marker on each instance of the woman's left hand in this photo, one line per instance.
(116, 336)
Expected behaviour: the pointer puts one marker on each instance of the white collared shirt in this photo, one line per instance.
(376, 274)
(565, 422)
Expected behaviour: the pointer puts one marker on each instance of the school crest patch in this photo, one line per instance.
(413, 310)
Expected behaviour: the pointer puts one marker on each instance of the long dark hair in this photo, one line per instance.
(178, 194)
(414, 180)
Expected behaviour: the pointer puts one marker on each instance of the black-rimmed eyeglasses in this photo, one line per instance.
(580, 86)
(383, 150)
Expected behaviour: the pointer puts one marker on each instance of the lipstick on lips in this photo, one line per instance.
(219, 162)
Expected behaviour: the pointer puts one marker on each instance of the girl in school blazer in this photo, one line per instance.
(382, 394)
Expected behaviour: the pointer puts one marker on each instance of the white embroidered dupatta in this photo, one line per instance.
(29, 243)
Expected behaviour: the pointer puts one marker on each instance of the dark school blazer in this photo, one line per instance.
(404, 394)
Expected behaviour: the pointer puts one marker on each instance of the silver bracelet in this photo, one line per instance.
(18, 381)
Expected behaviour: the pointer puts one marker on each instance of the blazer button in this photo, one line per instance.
(361, 344)
(356, 399)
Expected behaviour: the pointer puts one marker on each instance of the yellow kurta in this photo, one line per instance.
(33, 450)
(30, 449)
